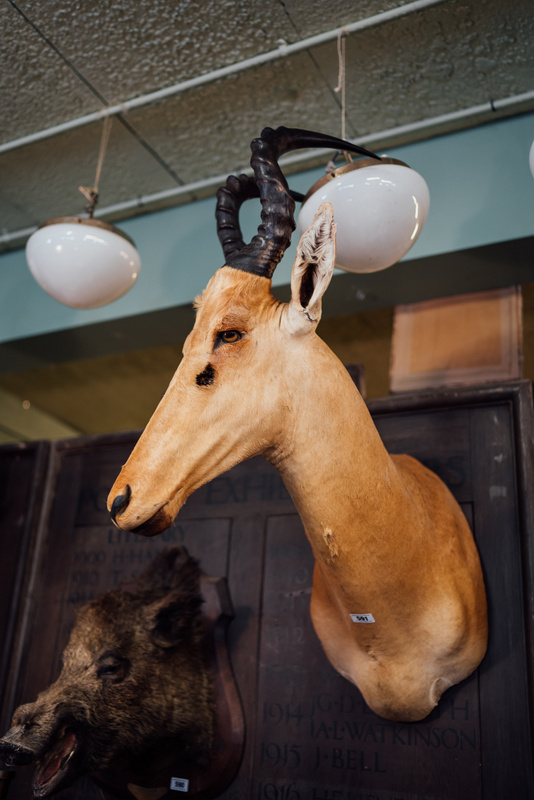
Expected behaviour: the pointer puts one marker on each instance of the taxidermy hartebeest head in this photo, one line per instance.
(398, 598)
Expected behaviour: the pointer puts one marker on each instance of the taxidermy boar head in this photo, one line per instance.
(134, 685)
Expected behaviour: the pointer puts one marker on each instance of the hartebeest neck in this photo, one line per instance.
(344, 484)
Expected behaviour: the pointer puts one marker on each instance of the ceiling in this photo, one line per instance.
(188, 84)
(435, 67)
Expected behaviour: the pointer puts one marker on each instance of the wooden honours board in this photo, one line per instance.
(309, 735)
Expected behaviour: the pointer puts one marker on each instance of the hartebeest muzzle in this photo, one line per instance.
(156, 524)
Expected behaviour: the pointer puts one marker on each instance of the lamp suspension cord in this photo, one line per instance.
(341, 83)
(91, 192)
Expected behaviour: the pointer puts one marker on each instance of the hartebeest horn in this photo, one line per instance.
(267, 247)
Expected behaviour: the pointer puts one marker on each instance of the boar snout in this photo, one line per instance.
(14, 755)
(15, 749)
(47, 737)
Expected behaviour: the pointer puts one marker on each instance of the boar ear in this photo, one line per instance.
(171, 621)
(172, 569)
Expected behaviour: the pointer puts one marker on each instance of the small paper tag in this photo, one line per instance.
(362, 618)
(179, 784)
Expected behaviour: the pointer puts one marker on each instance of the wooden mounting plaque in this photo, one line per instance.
(309, 735)
(229, 730)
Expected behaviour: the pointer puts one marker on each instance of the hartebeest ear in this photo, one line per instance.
(312, 271)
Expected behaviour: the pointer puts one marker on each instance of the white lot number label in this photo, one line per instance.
(362, 618)
(179, 785)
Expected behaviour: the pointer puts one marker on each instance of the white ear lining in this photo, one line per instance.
(324, 269)
(317, 247)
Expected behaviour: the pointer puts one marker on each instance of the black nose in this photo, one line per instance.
(120, 503)
(14, 755)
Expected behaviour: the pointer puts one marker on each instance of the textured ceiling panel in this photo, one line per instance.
(311, 17)
(126, 47)
(434, 62)
(40, 182)
(36, 87)
(68, 58)
(234, 111)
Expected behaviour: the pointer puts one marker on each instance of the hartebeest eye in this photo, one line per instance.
(228, 337)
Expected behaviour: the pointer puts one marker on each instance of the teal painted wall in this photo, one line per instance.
(481, 192)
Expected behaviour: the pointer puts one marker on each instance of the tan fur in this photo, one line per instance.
(388, 537)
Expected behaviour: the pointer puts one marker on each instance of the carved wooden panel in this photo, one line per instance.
(309, 734)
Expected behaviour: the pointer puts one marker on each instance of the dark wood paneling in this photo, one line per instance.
(315, 735)
(310, 736)
(22, 471)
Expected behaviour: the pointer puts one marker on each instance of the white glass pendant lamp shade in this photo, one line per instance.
(379, 207)
(82, 262)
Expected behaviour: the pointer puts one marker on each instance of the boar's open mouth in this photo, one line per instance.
(55, 766)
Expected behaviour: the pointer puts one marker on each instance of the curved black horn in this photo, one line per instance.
(229, 200)
(267, 247)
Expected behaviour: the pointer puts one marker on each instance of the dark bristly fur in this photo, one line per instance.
(134, 682)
